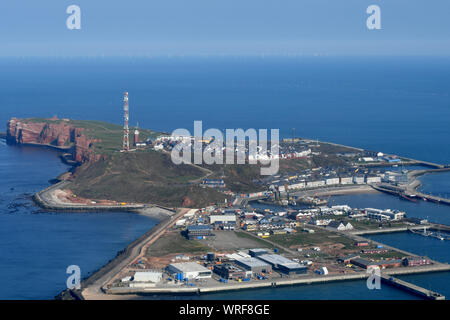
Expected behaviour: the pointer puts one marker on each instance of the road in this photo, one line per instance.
(93, 286)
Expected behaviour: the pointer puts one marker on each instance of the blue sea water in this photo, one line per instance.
(36, 247)
(426, 246)
(436, 184)
(390, 104)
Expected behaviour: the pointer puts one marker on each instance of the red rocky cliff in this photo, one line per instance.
(58, 133)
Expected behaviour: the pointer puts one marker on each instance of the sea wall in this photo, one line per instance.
(58, 134)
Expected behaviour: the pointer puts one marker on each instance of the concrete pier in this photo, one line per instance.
(398, 191)
(388, 230)
(422, 292)
(45, 200)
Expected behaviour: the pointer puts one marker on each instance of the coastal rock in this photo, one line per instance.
(56, 133)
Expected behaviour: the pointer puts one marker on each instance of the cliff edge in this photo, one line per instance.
(52, 132)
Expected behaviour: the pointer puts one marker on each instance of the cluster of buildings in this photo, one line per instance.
(411, 261)
(316, 178)
(201, 224)
(285, 151)
(384, 215)
(257, 264)
(320, 216)
(379, 157)
(213, 183)
(241, 266)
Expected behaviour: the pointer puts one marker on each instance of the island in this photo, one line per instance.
(214, 235)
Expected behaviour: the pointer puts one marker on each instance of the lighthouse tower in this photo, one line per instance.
(136, 135)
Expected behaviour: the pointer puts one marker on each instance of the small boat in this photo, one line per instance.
(408, 197)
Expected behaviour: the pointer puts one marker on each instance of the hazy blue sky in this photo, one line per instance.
(154, 27)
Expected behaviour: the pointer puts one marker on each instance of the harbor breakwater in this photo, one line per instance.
(273, 283)
(103, 274)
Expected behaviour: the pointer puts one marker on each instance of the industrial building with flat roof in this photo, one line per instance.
(229, 271)
(254, 265)
(283, 265)
(147, 276)
(199, 232)
(190, 270)
(257, 252)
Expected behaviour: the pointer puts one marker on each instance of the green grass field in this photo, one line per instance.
(175, 243)
(301, 238)
(143, 177)
(109, 135)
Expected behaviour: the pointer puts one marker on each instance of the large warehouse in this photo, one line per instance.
(190, 270)
(146, 276)
(282, 264)
(257, 252)
(254, 265)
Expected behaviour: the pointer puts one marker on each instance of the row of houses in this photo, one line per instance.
(327, 181)
(412, 261)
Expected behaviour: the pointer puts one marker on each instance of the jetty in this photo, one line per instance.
(407, 286)
(46, 200)
(410, 192)
(424, 232)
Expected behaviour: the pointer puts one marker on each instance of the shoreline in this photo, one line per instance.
(132, 293)
(122, 258)
(92, 286)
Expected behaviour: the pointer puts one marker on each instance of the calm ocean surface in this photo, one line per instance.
(36, 246)
(396, 105)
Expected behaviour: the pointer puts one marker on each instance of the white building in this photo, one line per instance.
(332, 181)
(225, 218)
(181, 222)
(190, 270)
(315, 184)
(358, 179)
(346, 180)
(321, 222)
(299, 185)
(384, 215)
(373, 179)
(340, 225)
(399, 177)
(343, 207)
(147, 276)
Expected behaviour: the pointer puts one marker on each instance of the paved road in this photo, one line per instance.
(93, 291)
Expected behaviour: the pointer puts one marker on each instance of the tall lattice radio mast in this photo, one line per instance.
(126, 129)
